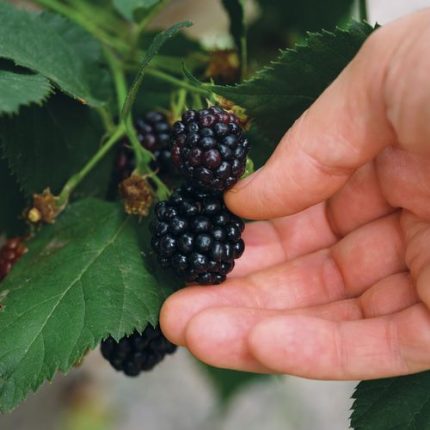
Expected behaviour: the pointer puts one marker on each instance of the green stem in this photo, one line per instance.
(363, 10)
(84, 22)
(118, 77)
(106, 118)
(77, 178)
(177, 82)
(143, 156)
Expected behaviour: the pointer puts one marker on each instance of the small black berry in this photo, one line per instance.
(138, 352)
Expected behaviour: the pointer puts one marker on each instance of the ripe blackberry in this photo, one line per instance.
(10, 253)
(209, 148)
(138, 352)
(154, 133)
(196, 235)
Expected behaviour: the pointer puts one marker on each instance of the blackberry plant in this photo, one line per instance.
(82, 80)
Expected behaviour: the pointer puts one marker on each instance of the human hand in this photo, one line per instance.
(336, 285)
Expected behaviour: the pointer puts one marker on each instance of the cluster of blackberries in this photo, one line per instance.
(196, 235)
(138, 352)
(193, 232)
(209, 148)
(154, 133)
(10, 253)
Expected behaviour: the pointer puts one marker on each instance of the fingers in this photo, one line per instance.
(358, 116)
(347, 270)
(269, 243)
(219, 336)
(366, 349)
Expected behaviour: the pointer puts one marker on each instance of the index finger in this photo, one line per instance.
(360, 114)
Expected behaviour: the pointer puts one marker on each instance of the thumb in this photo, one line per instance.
(349, 124)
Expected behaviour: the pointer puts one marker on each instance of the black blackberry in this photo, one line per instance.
(154, 133)
(209, 148)
(196, 235)
(10, 253)
(138, 352)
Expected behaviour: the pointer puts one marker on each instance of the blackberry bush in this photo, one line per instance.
(10, 253)
(138, 352)
(210, 148)
(196, 235)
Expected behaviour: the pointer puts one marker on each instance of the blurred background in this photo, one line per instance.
(181, 393)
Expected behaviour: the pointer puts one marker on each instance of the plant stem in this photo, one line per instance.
(84, 22)
(177, 82)
(106, 119)
(77, 178)
(363, 10)
(143, 156)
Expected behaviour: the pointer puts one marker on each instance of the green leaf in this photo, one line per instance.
(127, 8)
(46, 145)
(19, 90)
(11, 222)
(278, 94)
(84, 278)
(29, 40)
(393, 404)
(152, 51)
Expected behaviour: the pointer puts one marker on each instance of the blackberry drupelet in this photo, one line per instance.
(138, 352)
(10, 253)
(210, 148)
(196, 235)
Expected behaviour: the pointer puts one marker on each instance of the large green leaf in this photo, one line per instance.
(278, 94)
(393, 404)
(18, 89)
(127, 8)
(46, 145)
(84, 278)
(30, 41)
(11, 221)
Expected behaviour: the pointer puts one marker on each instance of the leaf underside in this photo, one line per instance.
(82, 279)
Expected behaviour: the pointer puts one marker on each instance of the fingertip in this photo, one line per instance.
(179, 308)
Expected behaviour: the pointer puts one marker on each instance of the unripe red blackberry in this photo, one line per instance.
(196, 235)
(210, 148)
(138, 352)
(10, 253)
